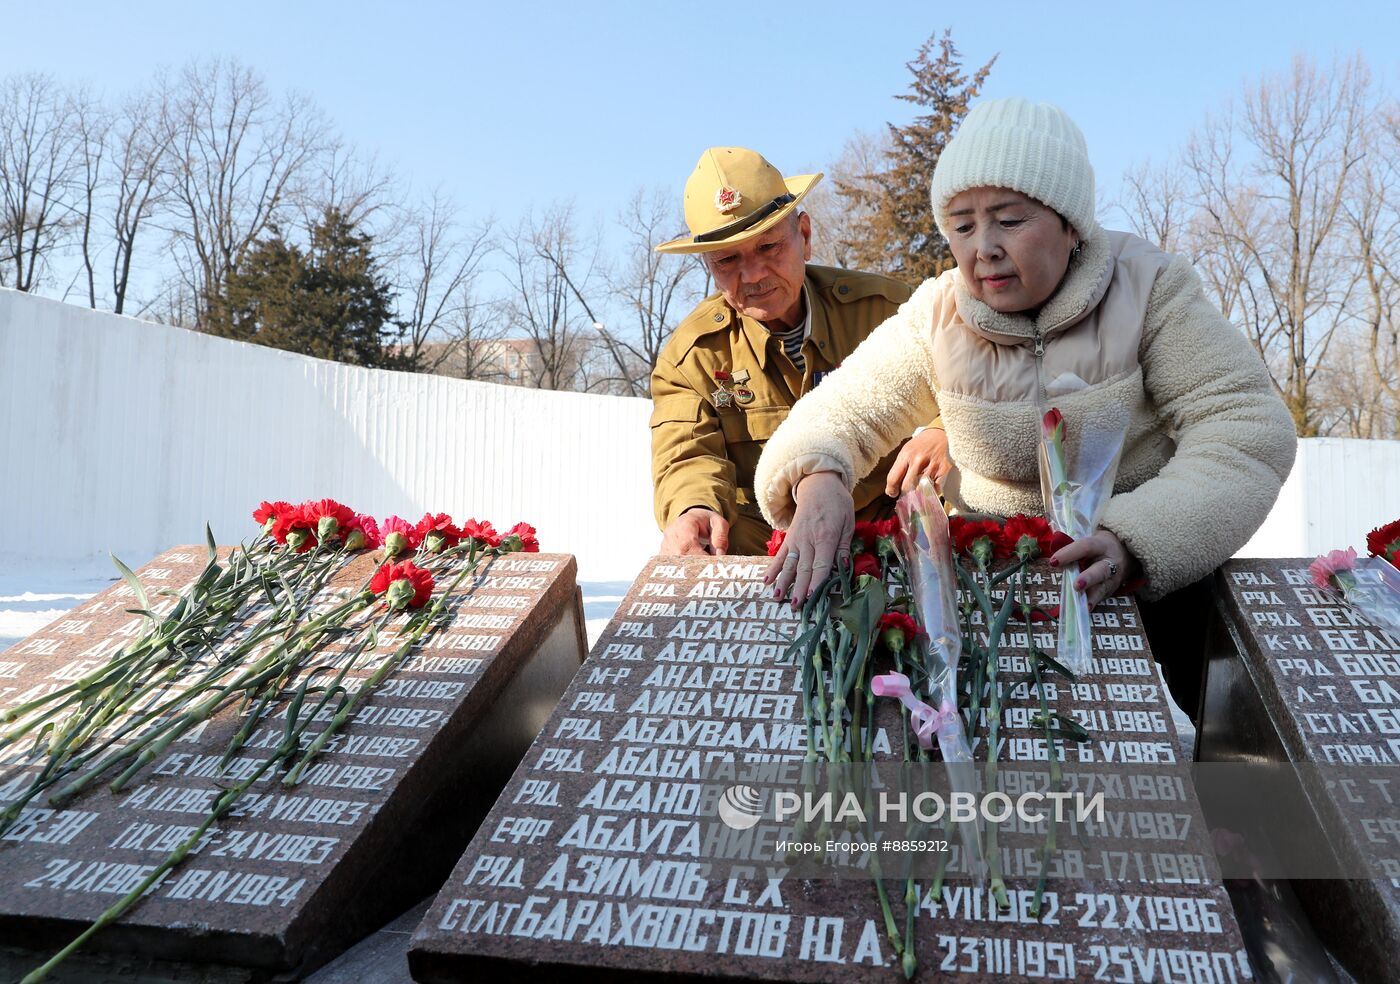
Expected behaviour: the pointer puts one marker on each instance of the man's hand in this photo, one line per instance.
(820, 536)
(696, 531)
(1104, 564)
(923, 455)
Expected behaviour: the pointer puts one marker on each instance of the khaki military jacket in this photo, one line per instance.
(705, 447)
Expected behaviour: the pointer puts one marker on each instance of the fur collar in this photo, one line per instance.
(1085, 283)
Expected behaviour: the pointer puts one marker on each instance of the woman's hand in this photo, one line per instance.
(1104, 564)
(925, 455)
(820, 536)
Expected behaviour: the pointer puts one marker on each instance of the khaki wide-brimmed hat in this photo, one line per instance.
(732, 195)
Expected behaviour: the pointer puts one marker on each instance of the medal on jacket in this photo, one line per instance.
(742, 394)
(722, 398)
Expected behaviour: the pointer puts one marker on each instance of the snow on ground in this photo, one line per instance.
(600, 601)
(32, 600)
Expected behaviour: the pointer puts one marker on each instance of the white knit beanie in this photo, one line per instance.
(1033, 148)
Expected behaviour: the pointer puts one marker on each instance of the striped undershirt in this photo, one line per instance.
(793, 338)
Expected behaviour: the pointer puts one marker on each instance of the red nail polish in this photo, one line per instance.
(1054, 562)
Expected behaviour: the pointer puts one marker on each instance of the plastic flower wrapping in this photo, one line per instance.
(934, 588)
(1371, 585)
(1076, 479)
(933, 583)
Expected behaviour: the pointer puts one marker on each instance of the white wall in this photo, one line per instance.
(1339, 490)
(120, 435)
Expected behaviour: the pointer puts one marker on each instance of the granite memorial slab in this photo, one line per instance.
(610, 856)
(1297, 677)
(294, 874)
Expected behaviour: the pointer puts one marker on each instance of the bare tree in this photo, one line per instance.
(240, 161)
(437, 267)
(39, 159)
(1373, 217)
(91, 125)
(841, 205)
(553, 274)
(356, 186)
(597, 370)
(652, 293)
(171, 304)
(140, 144)
(475, 341)
(1274, 216)
(1157, 205)
(1352, 399)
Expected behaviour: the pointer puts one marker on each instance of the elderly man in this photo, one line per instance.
(734, 368)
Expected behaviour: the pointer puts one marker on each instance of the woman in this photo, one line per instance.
(1042, 297)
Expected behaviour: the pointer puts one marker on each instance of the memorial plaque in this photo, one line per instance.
(603, 859)
(295, 873)
(1296, 675)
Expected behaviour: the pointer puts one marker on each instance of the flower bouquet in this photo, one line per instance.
(946, 677)
(209, 650)
(1076, 480)
(924, 544)
(1371, 585)
(933, 588)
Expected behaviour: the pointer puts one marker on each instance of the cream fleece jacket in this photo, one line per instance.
(1128, 336)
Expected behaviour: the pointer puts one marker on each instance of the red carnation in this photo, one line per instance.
(1028, 537)
(480, 531)
(362, 534)
(981, 539)
(402, 585)
(267, 512)
(896, 630)
(865, 537)
(293, 528)
(400, 536)
(1384, 541)
(955, 525)
(436, 532)
(866, 564)
(329, 518)
(776, 541)
(888, 527)
(525, 533)
(886, 532)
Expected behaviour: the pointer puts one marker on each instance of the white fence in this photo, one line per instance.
(124, 436)
(1338, 491)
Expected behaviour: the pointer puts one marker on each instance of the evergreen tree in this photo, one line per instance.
(895, 232)
(327, 301)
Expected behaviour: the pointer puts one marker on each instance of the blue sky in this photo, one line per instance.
(511, 103)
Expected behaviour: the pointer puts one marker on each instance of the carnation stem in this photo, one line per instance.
(993, 732)
(297, 722)
(1052, 753)
(416, 628)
